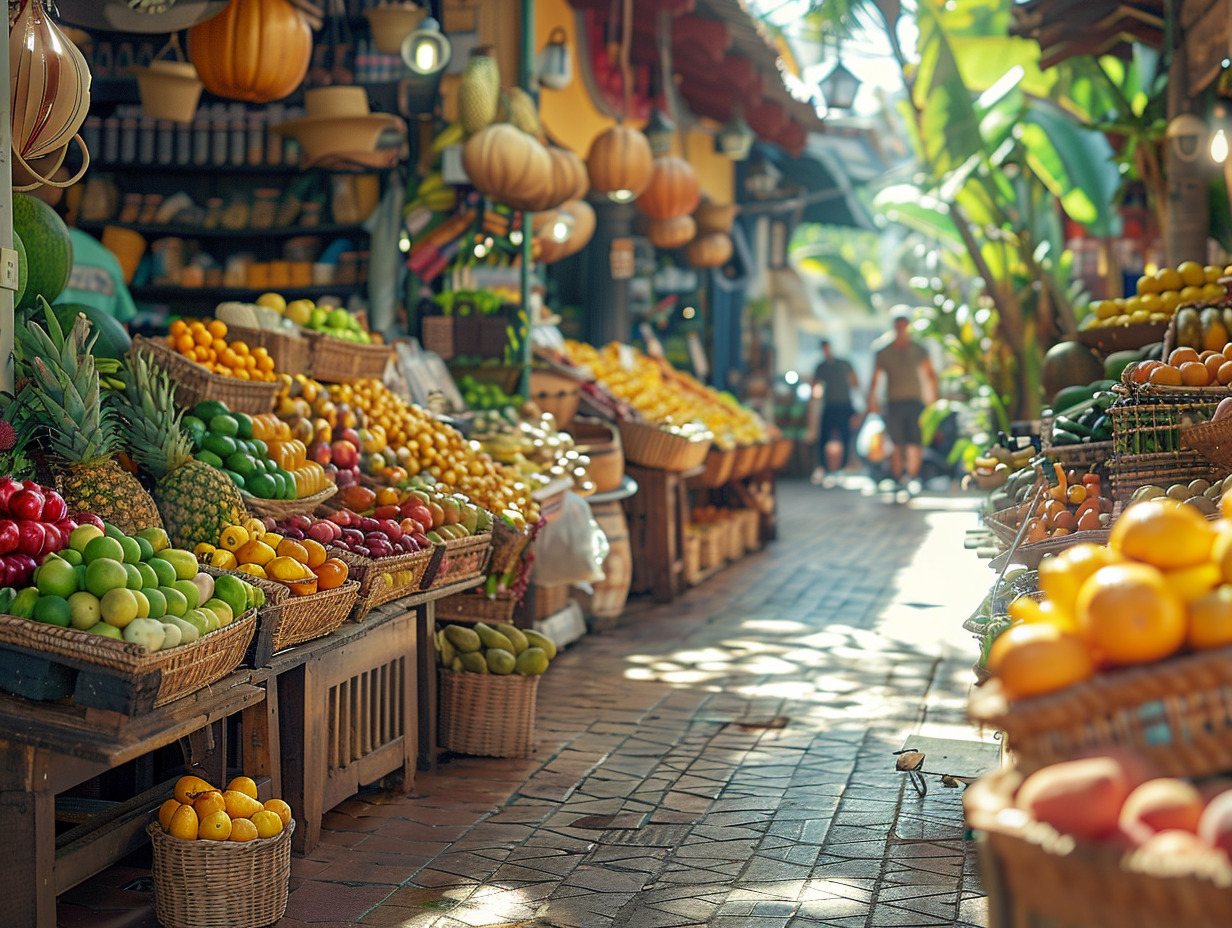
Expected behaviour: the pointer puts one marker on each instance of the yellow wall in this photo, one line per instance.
(571, 118)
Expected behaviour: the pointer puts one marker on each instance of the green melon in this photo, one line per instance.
(48, 246)
(1069, 364)
(112, 341)
(23, 270)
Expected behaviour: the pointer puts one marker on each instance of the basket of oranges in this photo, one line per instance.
(222, 858)
(205, 366)
(290, 351)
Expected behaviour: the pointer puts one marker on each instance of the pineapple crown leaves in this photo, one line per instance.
(151, 422)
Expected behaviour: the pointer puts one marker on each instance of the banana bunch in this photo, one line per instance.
(451, 135)
(433, 194)
(111, 373)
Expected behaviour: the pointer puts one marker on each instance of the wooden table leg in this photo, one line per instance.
(425, 671)
(297, 756)
(27, 836)
(261, 752)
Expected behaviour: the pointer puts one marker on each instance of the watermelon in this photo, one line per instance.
(1069, 364)
(23, 269)
(45, 237)
(112, 341)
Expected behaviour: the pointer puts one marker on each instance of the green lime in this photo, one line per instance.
(104, 575)
(143, 604)
(163, 570)
(134, 576)
(157, 601)
(147, 549)
(132, 550)
(149, 579)
(54, 610)
(86, 610)
(72, 555)
(243, 424)
(243, 464)
(210, 458)
(112, 531)
(176, 603)
(56, 578)
(103, 547)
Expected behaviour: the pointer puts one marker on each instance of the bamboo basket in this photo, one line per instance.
(692, 555)
(487, 714)
(555, 393)
(649, 446)
(781, 453)
(282, 508)
(600, 441)
(1128, 472)
(719, 464)
(193, 383)
(1155, 426)
(182, 670)
(1174, 713)
(1092, 455)
(508, 545)
(376, 576)
(1037, 876)
(745, 463)
(476, 607)
(464, 559)
(291, 354)
(712, 550)
(750, 528)
(220, 884)
(1212, 440)
(335, 360)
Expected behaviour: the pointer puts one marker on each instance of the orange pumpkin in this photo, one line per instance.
(583, 225)
(710, 250)
(510, 166)
(569, 180)
(674, 190)
(620, 162)
(671, 233)
(254, 50)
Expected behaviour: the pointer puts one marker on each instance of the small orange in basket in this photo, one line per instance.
(217, 328)
(1166, 376)
(1031, 660)
(1129, 615)
(1144, 369)
(209, 803)
(1163, 533)
(1210, 620)
(215, 827)
(1062, 576)
(316, 553)
(1195, 374)
(1213, 364)
(184, 824)
(281, 809)
(331, 574)
(291, 548)
(243, 829)
(245, 785)
(1181, 355)
(166, 811)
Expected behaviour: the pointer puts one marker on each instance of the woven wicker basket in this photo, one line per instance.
(745, 463)
(508, 545)
(781, 453)
(282, 508)
(464, 559)
(1212, 440)
(476, 607)
(648, 446)
(1155, 427)
(750, 528)
(1036, 876)
(1128, 472)
(291, 353)
(1091, 455)
(712, 550)
(193, 383)
(1173, 713)
(220, 884)
(377, 584)
(183, 670)
(335, 360)
(600, 441)
(487, 714)
(555, 393)
(692, 555)
(719, 464)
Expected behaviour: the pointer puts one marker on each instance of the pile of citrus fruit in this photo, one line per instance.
(1159, 295)
(1187, 367)
(1162, 584)
(206, 343)
(199, 811)
(302, 565)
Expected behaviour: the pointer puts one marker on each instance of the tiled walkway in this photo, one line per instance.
(724, 761)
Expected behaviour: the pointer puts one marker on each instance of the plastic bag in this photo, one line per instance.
(871, 441)
(571, 548)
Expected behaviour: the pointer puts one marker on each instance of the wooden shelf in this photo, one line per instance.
(155, 293)
(186, 231)
(284, 170)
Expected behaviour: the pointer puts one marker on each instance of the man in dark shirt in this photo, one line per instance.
(836, 379)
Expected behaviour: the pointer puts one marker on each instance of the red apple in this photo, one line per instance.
(9, 536)
(66, 527)
(387, 512)
(54, 507)
(8, 486)
(31, 537)
(420, 514)
(52, 539)
(344, 454)
(88, 518)
(320, 452)
(26, 504)
(34, 486)
(341, 517)
(321, 532)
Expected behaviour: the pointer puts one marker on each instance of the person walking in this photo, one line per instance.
(910, 382)
(836, 379)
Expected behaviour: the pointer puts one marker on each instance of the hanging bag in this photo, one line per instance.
(49, 93)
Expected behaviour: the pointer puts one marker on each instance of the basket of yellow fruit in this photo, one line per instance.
(675, 448)
(290, 351)
(222, 858)
(204, 366)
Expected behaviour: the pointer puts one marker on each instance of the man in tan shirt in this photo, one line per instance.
(910, 384)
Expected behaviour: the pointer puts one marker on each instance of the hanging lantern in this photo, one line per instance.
(427, 50)
(659, 130)
(554, 64)
(710, 250)
(620, 163)
(839, 87)
(254, 50)
(671, 233)
(674, 190)
(736, 138)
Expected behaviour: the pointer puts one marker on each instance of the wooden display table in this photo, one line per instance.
(48, 748)
(657, 515)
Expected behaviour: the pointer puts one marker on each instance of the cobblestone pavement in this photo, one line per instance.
(723, 761)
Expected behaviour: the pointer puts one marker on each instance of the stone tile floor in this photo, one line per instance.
(723, 761)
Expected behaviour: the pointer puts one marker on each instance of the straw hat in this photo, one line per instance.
(169, 90)
(338, 121)
(391, 23)
(124, 16)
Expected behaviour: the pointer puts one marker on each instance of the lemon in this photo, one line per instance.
(184, 824)
(244, 785)
(243, 830)
(281, 809)
(1170, 279)
(215, 827)
(268, 823)
(119, 607)
(1192, 273)
(166, 811)
(274, 301)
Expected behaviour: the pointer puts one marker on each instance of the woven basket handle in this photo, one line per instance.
(47, 181)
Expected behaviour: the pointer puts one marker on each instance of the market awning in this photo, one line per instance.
(815, 186)
(1064, 28)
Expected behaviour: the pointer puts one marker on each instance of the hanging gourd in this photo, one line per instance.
(710, 217)
(569, 180)
(674, 189)
(620, 163)
(583, 216)
(49, 95)
(710, 250)
(671, 233)
(511, 167)
(254, 50)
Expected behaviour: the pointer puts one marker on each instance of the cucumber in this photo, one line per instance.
(1071, 425)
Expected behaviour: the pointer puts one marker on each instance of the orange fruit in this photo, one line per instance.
(245, 785)
(217, 328)
(1038, 658)
(316, 552)
(215, 827)
(291, 548)
(183, 824)
(184, 344)
(1144, 369)
(1163, 533)
(1180, 355)
(239, 347)
(1129, 615)
(1194, 374)
(166, 811)
(1213, 364)
(1029, 611)
(1210, 620)
(1062, 576)
(1191, 583)
(202, 337)
(208, 803)
(1166, 376)
(281, 809)
(187, 788)
(179, 327)
(1224, 374)
(243, 830)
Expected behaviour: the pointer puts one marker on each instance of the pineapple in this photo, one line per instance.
(62, 395)
(196, 501)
